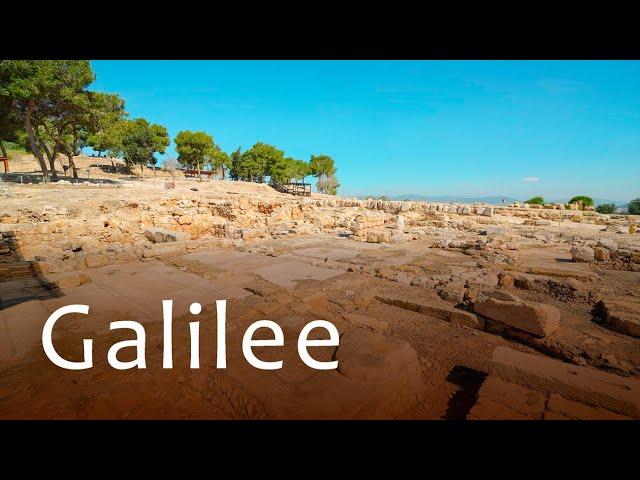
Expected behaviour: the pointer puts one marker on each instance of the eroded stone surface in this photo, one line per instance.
(532, 317)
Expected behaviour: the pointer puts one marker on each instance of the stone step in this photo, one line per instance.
(12, 270)
(581, 384)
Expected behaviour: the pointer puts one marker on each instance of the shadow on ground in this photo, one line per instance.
(469, 381)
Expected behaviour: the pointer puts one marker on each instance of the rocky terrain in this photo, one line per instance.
(444, 310)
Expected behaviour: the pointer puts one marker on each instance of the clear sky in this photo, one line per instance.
(517, 128)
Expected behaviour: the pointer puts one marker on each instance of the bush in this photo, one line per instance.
(634, 207)
(586, 201)
(606, 208)
(535, 201)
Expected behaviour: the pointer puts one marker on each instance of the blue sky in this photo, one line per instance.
(517, 128)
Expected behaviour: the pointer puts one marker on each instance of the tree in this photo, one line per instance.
(84, 122)
(170, 165)
(634, 207)
(328, 184)
(105, 124)
(47, 134)
(582, 200)
(193, 148)
(282, 170)
(219, 160)
(10, 125)
(322, 166)
(141, 141)
(302, 170)
(42, 91)
(535, 201)
(606, 208)
(261, 160)
(235, 170)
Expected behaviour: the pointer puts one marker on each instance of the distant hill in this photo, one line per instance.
(492, 199)
(600, 201)
(495, 200)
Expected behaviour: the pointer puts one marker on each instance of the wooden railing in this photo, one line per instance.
(299, 189)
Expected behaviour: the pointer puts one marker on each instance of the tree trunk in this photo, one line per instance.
(64, 168)
(72, 166)
(51, 156)
(4, 150)
(198, 170)
(35, 149)
(142, 171)
(222, 173)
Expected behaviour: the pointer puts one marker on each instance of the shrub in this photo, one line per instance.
(586, 201)
(535, 201)
(634, 207)
(606, 208)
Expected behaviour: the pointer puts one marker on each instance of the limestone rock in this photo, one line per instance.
(532, 317)
(581, 384)
(369, 323)
(440, 310)
(96, 260)
(621, 315)
(383, 236)
(601, 254)
(72, 279)
(379, 362)
(559, 408)
(159, 235)
(582, 254)
(495, 230)
(608, 244)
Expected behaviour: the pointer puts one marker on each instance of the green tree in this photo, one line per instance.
(302, 170)
(11, 127)
(141, 141)
(581, 199)
(322, 166)
(236, 169)
(606, 208)
(193, 148)
(85, 121)
(634, 207)
(282, 170)
(535, 201)
(261, 160)
(219, 160)
(105, 124)
(42, 92)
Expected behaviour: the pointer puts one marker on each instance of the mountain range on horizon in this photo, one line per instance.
(491, 199)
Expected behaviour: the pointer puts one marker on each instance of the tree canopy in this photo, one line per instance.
(261, 160)
(49, 96)
(106, 121)
(219, 160)
(141, 141)
(323, 168)
(193, 148)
